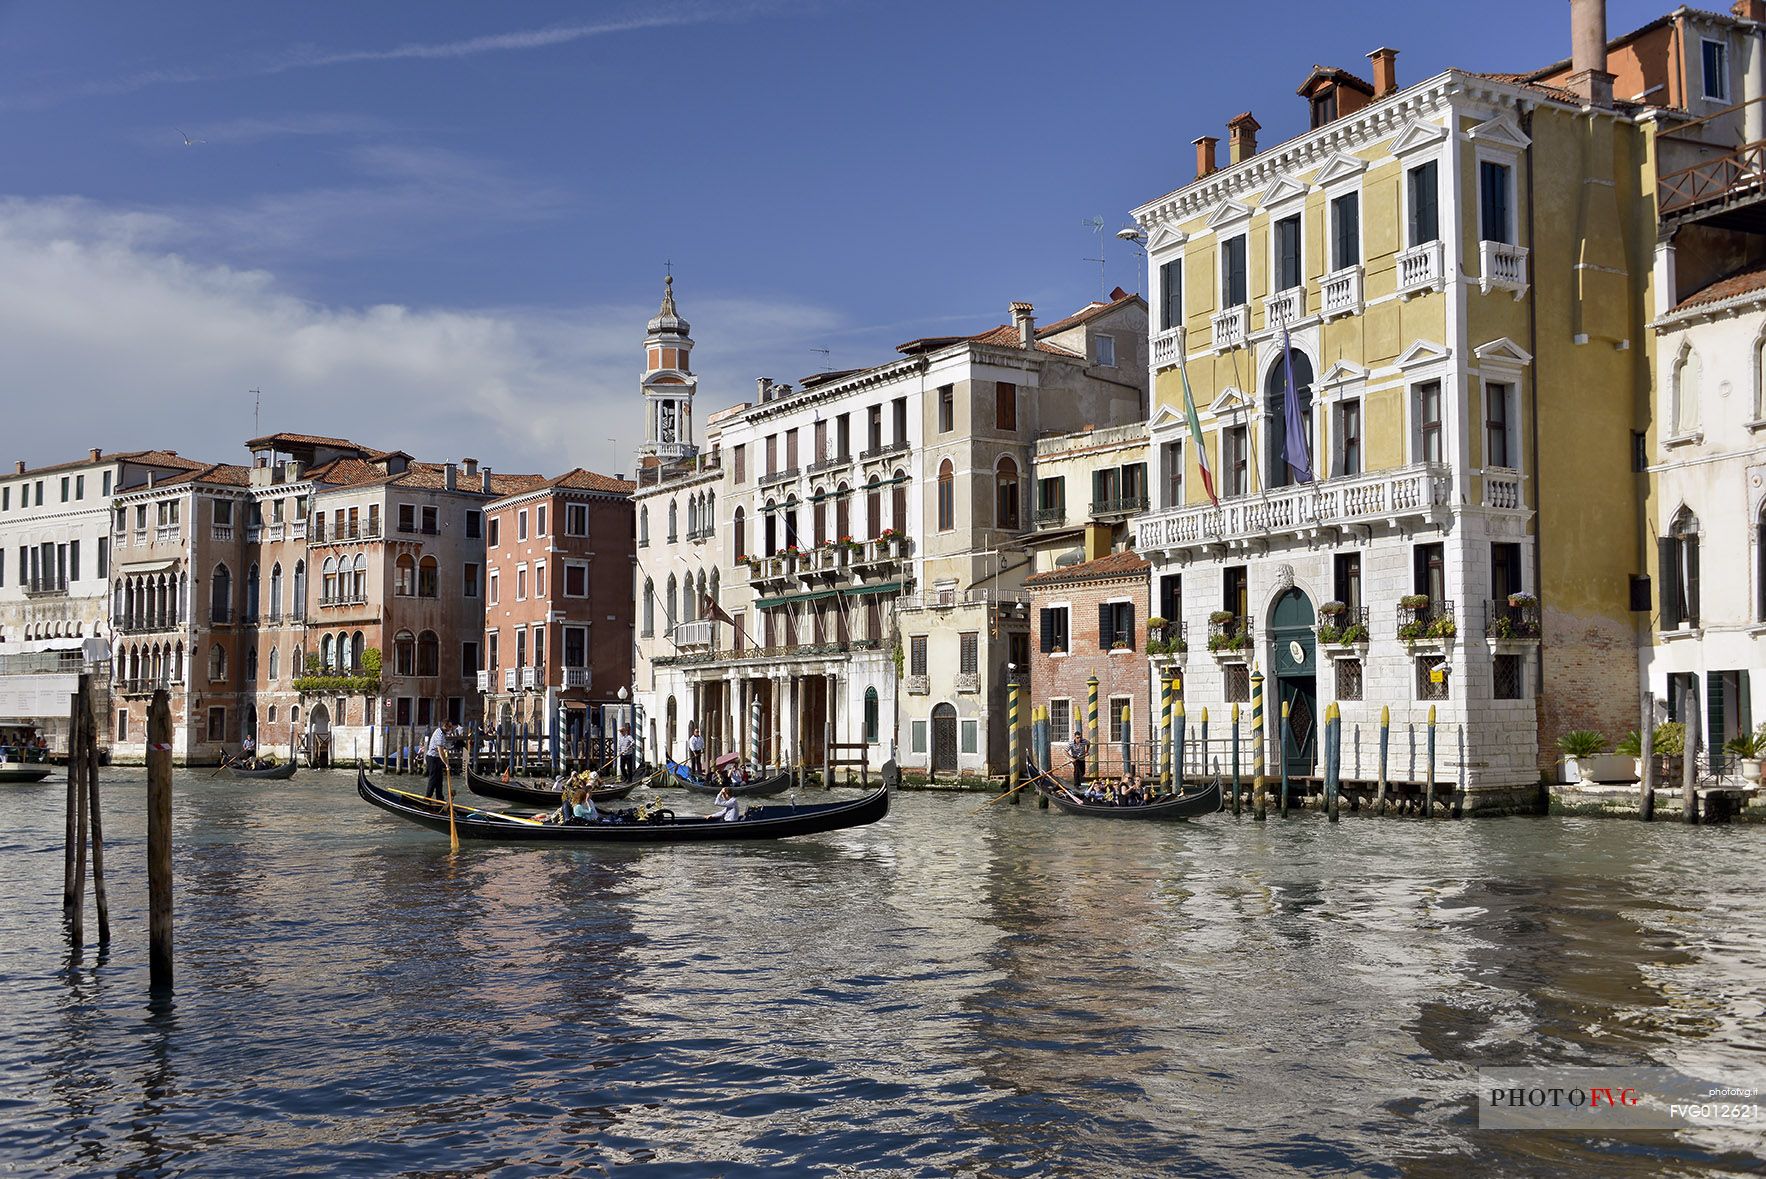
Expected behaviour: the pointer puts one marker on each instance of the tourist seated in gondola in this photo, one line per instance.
(729, 808)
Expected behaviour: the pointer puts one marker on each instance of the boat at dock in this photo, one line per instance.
(276, 773)
(14, 772)
(537, 792)
(677, 774)
(776, 821)
(1183, 805)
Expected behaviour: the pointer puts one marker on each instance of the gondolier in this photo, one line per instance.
(695, 748)
(435, 753)
(1078, 749)
(628, 750)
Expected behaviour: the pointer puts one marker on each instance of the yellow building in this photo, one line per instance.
(1460, 271)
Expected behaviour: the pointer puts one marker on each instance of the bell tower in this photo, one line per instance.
(669, 384)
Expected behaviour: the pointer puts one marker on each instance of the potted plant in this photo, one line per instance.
(1414, 601)
(1521, 601)
(1580, 746)
(1441, 628)
(1332, 609)
(1667, 744)
(1748, 749)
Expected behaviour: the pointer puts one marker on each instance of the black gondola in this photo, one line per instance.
(13, 771)
(537, 793)
(761, 822)
(277, 773)
(1177, 806)
(676, 774)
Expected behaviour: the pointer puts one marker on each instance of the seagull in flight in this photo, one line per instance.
(188, 142)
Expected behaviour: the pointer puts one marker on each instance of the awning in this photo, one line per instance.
(147, 566)
(793, 599)
(888, 587)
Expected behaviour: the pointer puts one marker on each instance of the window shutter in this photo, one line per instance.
(1127, 621)
(1665, 559)
(1714, 712)
(1104, 628)
(1744, 705)
(1048, 630)
(1690, 608)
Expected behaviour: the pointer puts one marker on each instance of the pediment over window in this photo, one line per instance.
(1228, 213)
(1417, 135)
(1281, 190)
(1503, 351)
(1344, 372)
(1339, 167)
(1503, 130)
(1168, 418)
(1422, 352)
(1165, 237)
(1231, 401)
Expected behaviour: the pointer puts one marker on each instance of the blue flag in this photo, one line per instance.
(1298, 452)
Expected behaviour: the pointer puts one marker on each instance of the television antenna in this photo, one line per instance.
(826, 367)
(1096, 225)
(257, 404)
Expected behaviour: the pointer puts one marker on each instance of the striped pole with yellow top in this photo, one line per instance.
(1091, 717)
(1045, 753)
(1259, 783)
(1333, 729)
(1127, 731)
(1282, 756)
(1177, 739)
(1165, 679)
(1429, 773)
(1235, 759)
(1385, 744)
(1013, 739)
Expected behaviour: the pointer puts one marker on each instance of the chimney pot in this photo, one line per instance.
(95, 454)
(1754, 10)
(485, 479)
(1205, 156)
(469, 467)
(1242, 136)
(450, 477)
(1385, 71)
(1588, 52)
(19, 469)
(1024, 319)
(762, 387)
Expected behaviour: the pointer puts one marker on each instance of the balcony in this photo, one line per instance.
(223, 533)
(1724, 184)
(1502, 489)
(781, 476)
(1050, 517)
(576, 677)
(1230, 637)
(484, 681)
(276, 532)
(1229, 327)
(254, 533)
(1119, 506)
(884, 450)
(47, 587)
(1343, 626)
(1285, 308)
(1512, 619)
(1340, 293)
(882, 550)
(1503, 268)
(968, 682)
(510, 679)
(167, 534)
(1168, 640)
(344, 599)
(1416, 493)
(530, 677)
(297, 530)
(917, 685)
(140, 537)
(147, 626)
(833, 463)
(695, 634)
(1424, 620)
(700, 535)
(1419, 269)
(1167, 348)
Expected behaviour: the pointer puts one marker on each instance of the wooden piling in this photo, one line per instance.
(1333, 751)
(159, 841)
(1179, 722)
(1259, 781)
(70, 845)
(1646, 781)
(1204, 741)
(1235, 759)
(1689, 758)
(1429, 770)
(1385, 743)
(76, 779)
(1459, 792)
(87, 753)
(1282, 757)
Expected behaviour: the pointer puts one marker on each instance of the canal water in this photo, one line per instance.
(1014, 993)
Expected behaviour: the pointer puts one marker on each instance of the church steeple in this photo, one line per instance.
(669, 383)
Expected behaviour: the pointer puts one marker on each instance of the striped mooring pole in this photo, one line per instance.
(1014, 739)
(1235, 759)
(1178, 740)
(1385, 747)
(754, 752)
(1165, 744)
(1045, 752)
(1091, 717)
(1127, 749)
(1282, 756)
(1259, 783)
(1333, 751)
(1429, 770)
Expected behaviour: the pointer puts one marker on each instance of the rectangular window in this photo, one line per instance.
(1428, 416)
(431, 524)
(1060, 719)
(1346, 231)
(521, 646)
(576, 519)
(1505, 570)
(1121, 718)
(491, 539)
(107, 485)
(469, 579)
(1115, 625)
(900, 406)
(790, 450)
(1238, 683)
(874, 429)
(407, 517)
(468, 659)
(521, 583)
(1348, 679)
(1508, 676)
(1715, 55)
(1171, 599)
(402, 711)
(576, 646)
(969, 653)
(1429, 572)
(576, 580)
(917, 655)
(772, 454)
(1105, 348)
(1051, 499)
(103, 556)
(490, 650)
(1346, 580)
(521, 525)
(1235, 446)
(495, 580)
(1171, 462)
(947, 409)
(539, 579)
(919, 736)
(843, 436)
(1431, 678)
(1494, 214)
(1171, 294)
(1235, 591)
(122, 724)
(1349, 438)
(474, 524)
(79, 487)
(1232, 272)
(425, 712)
(217, 724)
(1054, 623)
(740, 463)
(73, 560)
(1496, 425)
(1425, 221)
(65, 483)
(373, 520)
(970, 739)
(1287, 253)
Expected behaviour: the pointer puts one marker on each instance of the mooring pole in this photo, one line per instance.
(1429, 770)
(1385, 745)
(1166, 732)
(1179, 737)
(1459, 793)
(1282, 756)
(1205, 746)
(159, 840)
(1259, 782)
(76, 777)
(1013, 739)
(1333, 757)
(87, 753)
(1689, 793)
(1646, 755)
(73, 830)
(1235, 759)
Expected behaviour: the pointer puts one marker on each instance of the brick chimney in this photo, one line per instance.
(469, 467)
(1754, 10)
(94, 455)
(763, 388)
(19, 469)
(1242, 137)
(1205, 165)
(1385, 71)
(1024, 319)
(1588, 53)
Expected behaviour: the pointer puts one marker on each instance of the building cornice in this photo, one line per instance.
(1707, 312)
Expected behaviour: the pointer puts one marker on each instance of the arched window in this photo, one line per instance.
(272, 716)
(220, 607)
(276, 590)
(404, 652)
(819, 515)
(251, 593)
(275, 663)
(327, 656)
(1005, 494)
(873, 508)
(649, 605)
(1679, 559)
(643, 526)
(870, 716)
(359, 579)
(842, 513)
(770, 528)
(708, 517)
(947, 496)
(1281, 463)
(792, 539)
(1684, 392)
(298, 606)
(119, 606)
(405, 576)
(689, 601)
(672, 518)
(217, 663)
(1760, 564)
(357, 647)
(739, 535)
(328, 581)
(251, 664)
(178, 663)
(343, 653)
(898, 508)
(428, 654)
(668, 604)
(428, 578)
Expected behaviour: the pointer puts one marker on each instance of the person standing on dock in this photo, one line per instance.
(627, 749)
(435, 752)
(1078, 750)
(695, 749)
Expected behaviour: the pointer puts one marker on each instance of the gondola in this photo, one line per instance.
(276, 773)
(761, 822)
(1193, 804)
(21, 772)
(676, 774)
(535, 792)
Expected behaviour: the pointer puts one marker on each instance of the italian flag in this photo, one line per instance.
(1189, 412)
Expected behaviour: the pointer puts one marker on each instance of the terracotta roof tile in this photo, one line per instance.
(576, 479)
(1089, 312)
(1006, 335)
(1336, 74)
(224, 474)
(151, 458)
(1122, 563)
(1749, 278)
(265, 442)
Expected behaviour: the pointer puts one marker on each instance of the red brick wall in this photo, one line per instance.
(1123, 673)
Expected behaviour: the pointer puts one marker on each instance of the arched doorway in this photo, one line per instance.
(319, 734)
(944, 739)
(668, 731)
(1295, 656)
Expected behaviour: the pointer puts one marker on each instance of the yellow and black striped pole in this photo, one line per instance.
(1045, 752)
(1091, 716)
(1235, 759)
(1013, 741)
(1259, 786)
(1165, 744)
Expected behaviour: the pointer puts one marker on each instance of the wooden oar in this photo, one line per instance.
(454, 806)
(453, 832)
(224, 763)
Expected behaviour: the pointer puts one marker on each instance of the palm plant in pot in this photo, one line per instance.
(1580, 747)
(1748, 749)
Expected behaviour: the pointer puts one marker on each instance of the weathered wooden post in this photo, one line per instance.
(70, 848)
(1282, 756)
(1689, 758)
(1013, 741)
(1333, 753)
(1429, 770)
(1167, 733)
(1459, 793)
(87, 752)
(1646, 780)
(1205, 747)
(1385, 748)
(159, 841)
(1259, 782)
(1235, 759)
(1178, 738)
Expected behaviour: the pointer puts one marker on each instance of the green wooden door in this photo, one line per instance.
(1294, 649)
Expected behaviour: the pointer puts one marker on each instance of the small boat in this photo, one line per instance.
(276, 773)
(536, 792)
(14, 771)
(1193, 804)
(777, 821)
(677, 774)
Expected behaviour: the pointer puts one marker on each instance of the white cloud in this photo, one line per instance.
(111, 340)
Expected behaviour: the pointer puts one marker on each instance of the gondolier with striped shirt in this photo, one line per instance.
(435, 752)
(1078, 750)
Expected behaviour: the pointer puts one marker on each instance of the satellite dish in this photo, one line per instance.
(1070, 557)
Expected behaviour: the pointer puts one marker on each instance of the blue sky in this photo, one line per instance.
(440, 226)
